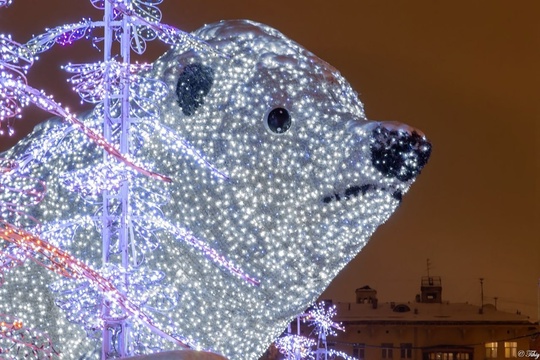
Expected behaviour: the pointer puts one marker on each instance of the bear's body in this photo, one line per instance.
(274, 167)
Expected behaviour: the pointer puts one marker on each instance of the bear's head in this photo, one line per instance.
(278, 178)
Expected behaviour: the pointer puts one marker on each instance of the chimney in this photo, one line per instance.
(366, 295)
(431, 289)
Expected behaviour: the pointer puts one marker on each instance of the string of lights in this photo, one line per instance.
(275, 188)
(92, 85)
(298, 347)
(15, 93)
(54, 259)
(16, 340)
(21, 192)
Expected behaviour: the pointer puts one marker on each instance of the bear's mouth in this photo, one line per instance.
(359, 190)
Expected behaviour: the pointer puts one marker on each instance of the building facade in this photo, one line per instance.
(429, 328)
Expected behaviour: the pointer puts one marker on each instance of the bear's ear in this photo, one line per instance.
(194, 83)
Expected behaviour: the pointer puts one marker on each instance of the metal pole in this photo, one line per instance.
(481, 295)
(124, 192)
(116, 337)
(106, 218)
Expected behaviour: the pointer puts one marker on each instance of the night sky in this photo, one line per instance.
(464, 72)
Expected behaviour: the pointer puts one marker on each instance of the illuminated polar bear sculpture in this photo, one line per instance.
(274, 166)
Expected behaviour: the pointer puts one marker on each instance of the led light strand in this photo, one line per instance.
(13, 66)
(148, 19)
(14, 89)
(186, 236)
(321, 318)
(50, 257)
(334, 354)
(20, 192)
(287, 210)
(62, 35)
(295, 347)
(18, 341)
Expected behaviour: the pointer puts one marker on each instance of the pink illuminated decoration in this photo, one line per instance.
(15, 93)
(47, 103)
(62, 35)
(17, 341)
(48, 255)
(51, 257)
(279, 181)
(22, 192)
(127, 221)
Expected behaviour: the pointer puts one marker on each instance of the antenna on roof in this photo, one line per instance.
(481, 295)
(428, 266)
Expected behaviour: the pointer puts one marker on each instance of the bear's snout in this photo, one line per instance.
(397, 152)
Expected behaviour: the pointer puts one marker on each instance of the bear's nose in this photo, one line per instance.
(398, 152)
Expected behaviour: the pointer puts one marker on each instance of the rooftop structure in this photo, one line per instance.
(429, 328)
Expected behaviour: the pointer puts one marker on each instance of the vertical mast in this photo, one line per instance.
(116, 209)
(106, 218)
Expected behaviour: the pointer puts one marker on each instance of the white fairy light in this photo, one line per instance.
(321, 317)
(264, 210)
(295, 347)
(18, 341)
(62, 263)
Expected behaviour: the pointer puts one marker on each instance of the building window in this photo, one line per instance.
(401, 308)
(448, 353)
(441, 356)
(359, 351)
(491, 350)
(387, 351)
(510, 349)
(405, 350)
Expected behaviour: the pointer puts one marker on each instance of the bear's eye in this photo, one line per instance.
(278, 120)
(194, 83)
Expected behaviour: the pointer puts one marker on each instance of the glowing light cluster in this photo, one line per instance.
(321, 317)
(243, 237)
(295, 347)
(5, 3)
(13, 66)
(62, 263)
(18, 341)
(20, 193)
(334, 354)
(15, 93)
